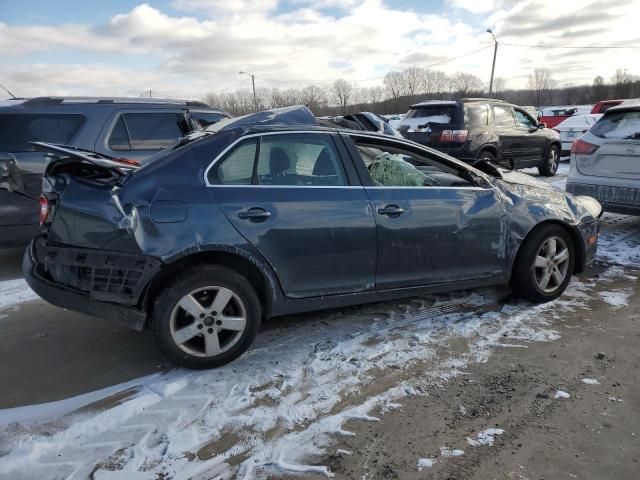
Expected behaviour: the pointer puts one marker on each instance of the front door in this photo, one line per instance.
(532, 139)
(435, 224)
(294, 199)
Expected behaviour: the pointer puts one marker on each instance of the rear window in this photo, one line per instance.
(443, 114)
(18, 129)
(147, 131)
(207, 118)
(620, 125)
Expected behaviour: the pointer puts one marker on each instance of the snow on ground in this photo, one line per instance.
(14, 292)
(561, 394)
(280, 406)
(590, 381)
(425, 463)
(486, 437)
(446, 452)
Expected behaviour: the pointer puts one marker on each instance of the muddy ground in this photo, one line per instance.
(594, 434)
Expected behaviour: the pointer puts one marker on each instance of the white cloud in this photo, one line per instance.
(189, 54)
(475, 6)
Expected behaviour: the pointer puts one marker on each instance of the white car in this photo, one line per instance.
(573, 128)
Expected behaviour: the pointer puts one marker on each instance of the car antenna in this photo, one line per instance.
(7, 90)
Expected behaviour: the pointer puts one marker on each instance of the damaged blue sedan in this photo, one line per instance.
(273, 214)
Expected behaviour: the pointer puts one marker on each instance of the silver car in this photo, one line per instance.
(605, 162)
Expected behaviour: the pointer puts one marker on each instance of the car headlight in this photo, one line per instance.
(591, 205)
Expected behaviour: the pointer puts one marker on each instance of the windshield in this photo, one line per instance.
(17, 130)
(623, 125)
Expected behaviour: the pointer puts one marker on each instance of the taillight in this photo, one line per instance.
(580, 147)
(44, 209)
(459, 136)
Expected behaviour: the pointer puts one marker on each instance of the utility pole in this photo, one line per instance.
(493, 67)
(253, 84)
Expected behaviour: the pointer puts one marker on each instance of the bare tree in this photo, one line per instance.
(343, 91)
(413, 81)
(314, 97)
(463, 83)
(540, 82)
(375, 94)
(394, 83)
(598, 88)
(440, 81)
(499, 84)
(622, 81)
(212, 99)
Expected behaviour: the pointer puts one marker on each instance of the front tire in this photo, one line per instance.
(544, 264)
(551, 162)
(207, 317)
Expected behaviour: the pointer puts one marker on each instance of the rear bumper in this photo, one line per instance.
(613, 199)
(75, 299)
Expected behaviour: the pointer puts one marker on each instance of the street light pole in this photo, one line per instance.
(493, 66)
(253, 85)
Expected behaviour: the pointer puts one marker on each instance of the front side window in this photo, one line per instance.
(147, 131)
(392, 165)
(299, 159)
(18, 130)
(524, 120)
(503, 116)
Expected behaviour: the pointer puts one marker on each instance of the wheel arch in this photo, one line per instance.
(263, 282)
(576, 240)
(488, 148)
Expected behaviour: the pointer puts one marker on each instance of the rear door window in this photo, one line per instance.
(619, 125)
(147, 131)
(236, 168)
(503, 116)
(17, 130)
(477, 114)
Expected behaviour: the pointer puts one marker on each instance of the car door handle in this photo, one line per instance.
(254, 214)
(391, 211)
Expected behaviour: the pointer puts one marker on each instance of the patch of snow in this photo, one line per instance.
(341, 451)
(120, 475)
(561, 394)
(446, 452)
(590, 381)
(486, 437)
(14, 292)
(425, 463)
(616, 299)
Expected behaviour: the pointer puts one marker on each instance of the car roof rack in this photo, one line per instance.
(481, 99)
(112, 100)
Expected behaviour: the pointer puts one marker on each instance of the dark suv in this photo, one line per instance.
(133, 128)
(272, 214)
(473, 129)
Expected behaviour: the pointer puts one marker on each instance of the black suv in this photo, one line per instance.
(131, 128)
(472, 129)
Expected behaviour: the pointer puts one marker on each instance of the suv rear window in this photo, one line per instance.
(620, 125)
(147, 131)
(443, 114)
(18, 129)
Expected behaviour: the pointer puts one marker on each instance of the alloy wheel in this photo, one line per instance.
(553, 160)
(552, 264)
(208, 321)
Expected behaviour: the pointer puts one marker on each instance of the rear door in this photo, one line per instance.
(139, 133)
(295, 198)
(508, 133)
(434, 224)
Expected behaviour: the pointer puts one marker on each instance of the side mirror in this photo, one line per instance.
(542, 125)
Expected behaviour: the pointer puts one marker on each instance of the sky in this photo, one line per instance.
(187, 48)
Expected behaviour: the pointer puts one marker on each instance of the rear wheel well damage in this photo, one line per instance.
(576, 240)
(231, 261)
(488, 148)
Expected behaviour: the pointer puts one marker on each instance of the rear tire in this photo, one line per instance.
(550, 162)
(544, 264)
(206, 317)
(487, 156)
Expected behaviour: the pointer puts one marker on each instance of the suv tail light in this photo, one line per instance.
(458, 136)
(44, 209)
(580, 147)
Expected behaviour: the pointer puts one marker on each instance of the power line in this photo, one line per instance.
(572, 46)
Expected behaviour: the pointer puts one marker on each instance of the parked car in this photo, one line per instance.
(604, 105)
(394, 119)
(573, 128)
(473, 129)
(367, 121)
(552, 116)
(605, 162)
(272, 214)
(134, 128)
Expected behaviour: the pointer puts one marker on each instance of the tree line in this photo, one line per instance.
(400, 89)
